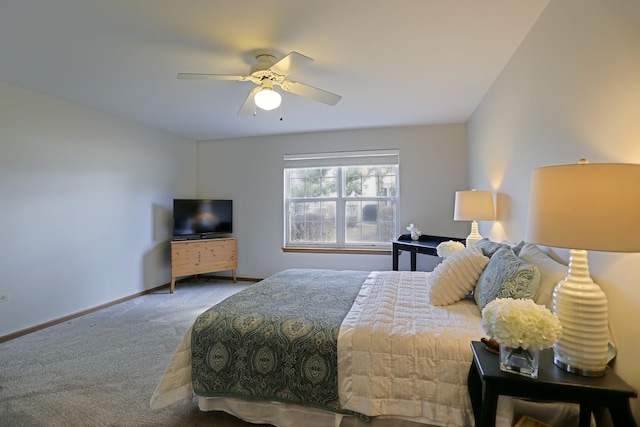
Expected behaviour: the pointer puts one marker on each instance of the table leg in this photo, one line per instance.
(585, 416)
(474, 384)
(489, 406)
(413, 261)
(621, 414)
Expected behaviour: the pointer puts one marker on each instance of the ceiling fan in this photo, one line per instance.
(267, 73)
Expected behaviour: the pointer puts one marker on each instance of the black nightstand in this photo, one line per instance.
(486, 382)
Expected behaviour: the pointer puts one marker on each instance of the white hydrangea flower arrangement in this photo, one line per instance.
(521, 323)
(448, 248)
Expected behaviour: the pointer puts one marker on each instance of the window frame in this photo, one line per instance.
(341, 161)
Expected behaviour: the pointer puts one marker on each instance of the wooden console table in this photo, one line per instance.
(424, 245)
(190, 257)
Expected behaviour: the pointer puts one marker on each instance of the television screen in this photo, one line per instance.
(201, 219)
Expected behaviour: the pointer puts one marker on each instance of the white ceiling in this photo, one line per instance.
(395, 63)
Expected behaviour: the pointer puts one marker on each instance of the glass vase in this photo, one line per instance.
(519, 361)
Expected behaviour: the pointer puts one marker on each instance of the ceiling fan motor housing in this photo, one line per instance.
(263, 62)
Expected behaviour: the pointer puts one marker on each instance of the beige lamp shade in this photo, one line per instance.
(474, 206)
(586, 206)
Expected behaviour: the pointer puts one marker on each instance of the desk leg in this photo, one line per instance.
(413, 261)
(396, 253)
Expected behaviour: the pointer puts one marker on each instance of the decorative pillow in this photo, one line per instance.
(517, 248)
(506, 276)
(489, 248)
(453, 279)
(551, 272)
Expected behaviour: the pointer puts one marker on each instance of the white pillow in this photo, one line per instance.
(551, 272)
(453, 279)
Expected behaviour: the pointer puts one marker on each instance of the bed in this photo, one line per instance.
(338, 348)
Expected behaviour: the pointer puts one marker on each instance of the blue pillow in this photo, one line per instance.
(506, 276)
(488, 247)
(517, 248)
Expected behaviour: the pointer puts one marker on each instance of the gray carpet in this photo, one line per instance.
(101, 369)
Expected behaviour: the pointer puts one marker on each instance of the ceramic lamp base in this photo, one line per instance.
(581, 307)
(473, 237)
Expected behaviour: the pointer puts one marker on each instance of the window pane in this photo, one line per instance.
(386, 181)
(312, 222)
(353, 182)
(313, 187)
(296, 187)
(369, 221)
(362, 212)
(329, 183)
(373, 181)
(316, 182)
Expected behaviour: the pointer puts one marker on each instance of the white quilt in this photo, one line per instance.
(400, 356)
(175, 384)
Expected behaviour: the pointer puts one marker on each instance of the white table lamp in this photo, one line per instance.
(584, 207)
(474, 206)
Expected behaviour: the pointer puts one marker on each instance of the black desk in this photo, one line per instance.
(486, 381)
(425, 245)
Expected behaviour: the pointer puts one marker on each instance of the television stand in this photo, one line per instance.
(191, 257)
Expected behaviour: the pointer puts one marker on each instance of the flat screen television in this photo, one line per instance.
(201, 218)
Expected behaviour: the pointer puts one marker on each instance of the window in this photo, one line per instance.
(346, 199)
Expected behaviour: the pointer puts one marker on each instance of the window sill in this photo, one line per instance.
(330, 250)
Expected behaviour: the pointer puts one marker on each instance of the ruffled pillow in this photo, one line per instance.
(453, 279)
(506, 276)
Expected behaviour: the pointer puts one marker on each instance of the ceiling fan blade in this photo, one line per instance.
(195, 76)
(290, 62)
(249, 106)
(311, 92)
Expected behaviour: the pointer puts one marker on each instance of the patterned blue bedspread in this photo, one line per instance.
(276, 340)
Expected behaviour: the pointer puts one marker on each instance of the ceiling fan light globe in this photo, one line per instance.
(267, 99)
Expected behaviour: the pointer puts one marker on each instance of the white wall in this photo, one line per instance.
(433, 165)
(85, 207)
(572, 90)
